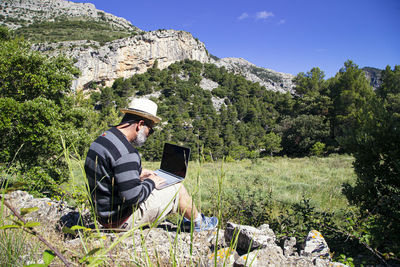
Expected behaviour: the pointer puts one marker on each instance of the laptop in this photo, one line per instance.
(174, 164)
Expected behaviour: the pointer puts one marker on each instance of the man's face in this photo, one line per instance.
(142, 135)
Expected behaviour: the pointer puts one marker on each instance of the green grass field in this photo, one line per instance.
(288, 180)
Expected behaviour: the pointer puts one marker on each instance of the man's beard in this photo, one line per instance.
(140, 139)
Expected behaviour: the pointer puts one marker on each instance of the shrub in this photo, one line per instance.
(317, 149)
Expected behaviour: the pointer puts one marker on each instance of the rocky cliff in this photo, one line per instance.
(128, 56)
(133, 55)
(272, 80)
(373, 75)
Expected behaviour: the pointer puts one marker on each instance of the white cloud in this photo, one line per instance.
(264, 15)
(282, 21)
(243, 16)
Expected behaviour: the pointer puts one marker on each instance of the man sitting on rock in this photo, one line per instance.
(123, 193)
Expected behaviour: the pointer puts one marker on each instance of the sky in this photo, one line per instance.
(289, 36)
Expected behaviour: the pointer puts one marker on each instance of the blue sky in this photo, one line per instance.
(289, 36)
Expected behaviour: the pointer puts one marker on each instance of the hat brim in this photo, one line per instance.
(145, 115)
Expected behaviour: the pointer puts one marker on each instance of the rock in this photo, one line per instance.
(49, 212)
(25, 12)
(167, 245)
(316, 246)
(222, 257)
(272, 80)
(288, 245)
(249, 237)
(128, 56)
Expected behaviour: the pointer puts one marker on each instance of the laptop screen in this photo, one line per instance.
(175, 159)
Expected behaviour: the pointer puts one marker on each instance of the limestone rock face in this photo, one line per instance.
(125, 57)
(25, 12)
(128, 56)
(272, 80)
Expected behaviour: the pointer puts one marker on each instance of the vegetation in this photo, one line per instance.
(40, 118)
(72, 30)
(37, 113)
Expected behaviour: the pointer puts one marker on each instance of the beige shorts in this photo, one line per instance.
(158, 205)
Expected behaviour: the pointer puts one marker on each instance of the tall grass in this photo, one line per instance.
(288, 180)
(215, 187)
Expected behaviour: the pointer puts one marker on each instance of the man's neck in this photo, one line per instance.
(128, 131)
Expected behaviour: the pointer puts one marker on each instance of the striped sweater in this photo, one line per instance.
(113, 167)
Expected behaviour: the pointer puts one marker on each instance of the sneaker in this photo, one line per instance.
(208, 223)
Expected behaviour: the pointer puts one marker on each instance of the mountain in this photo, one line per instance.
(106, 47)
(22, 13)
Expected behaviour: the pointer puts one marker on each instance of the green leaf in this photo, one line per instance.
(87, 257)
(9, 226)
(48, 256)
(25, 211)
(93, 251)
(32, 224)
(35, 265)
(78, 227)
(67, 230)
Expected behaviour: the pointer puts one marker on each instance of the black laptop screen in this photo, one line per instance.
(175, 159)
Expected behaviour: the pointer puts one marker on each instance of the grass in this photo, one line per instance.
(215, 188)
(288, 179)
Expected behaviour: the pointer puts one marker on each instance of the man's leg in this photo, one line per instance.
(186, 205)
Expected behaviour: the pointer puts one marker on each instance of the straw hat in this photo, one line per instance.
(144, 108)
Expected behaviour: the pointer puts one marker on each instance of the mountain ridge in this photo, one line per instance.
(105, 61)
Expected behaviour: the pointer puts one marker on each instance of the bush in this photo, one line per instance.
(317, 149)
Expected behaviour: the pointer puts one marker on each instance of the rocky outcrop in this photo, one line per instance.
(374, 76)
(236, 245)
(272, 80)
(18, 13)
(128, 56)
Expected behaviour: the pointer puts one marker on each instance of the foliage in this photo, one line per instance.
(299, 134)
(350, 93)
(236, 129)
(376, 148)
(254, 207)
(71, 30)
(317, 149)
(14, 244)
(272, 143)
(4, 33)
(37, 110)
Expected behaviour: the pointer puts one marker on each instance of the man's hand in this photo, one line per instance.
(145, 174)
(156, 179)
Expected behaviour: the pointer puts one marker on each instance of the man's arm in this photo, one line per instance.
(129, 183)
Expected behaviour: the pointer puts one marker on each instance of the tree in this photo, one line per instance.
(38, 111)
(350, 92)
(310, 83)
(272, 143)
(299, 134)
(375, 144)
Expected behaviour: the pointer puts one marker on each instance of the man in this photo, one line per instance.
(123, 193)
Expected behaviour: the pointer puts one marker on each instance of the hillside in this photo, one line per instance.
(106, 47)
